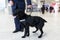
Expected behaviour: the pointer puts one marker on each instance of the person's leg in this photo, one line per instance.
(17, 24)
(13, 10)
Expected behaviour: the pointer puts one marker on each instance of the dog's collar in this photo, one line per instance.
(22, 20)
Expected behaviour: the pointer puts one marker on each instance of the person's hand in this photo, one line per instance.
(11, 3)
(29, 6)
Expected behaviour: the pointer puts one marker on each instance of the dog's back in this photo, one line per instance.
(38, 19)
(35, 20)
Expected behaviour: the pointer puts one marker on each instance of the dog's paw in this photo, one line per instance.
(34, 32)
(23, 36)
(28, 35)
(39, 36)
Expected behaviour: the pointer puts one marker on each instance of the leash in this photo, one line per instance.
(29, 10)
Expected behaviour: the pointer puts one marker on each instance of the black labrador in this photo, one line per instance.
(33, 21)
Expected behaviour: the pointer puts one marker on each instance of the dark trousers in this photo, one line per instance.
(16, 19)
(17, 23)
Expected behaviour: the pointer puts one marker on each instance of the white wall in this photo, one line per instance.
(2, 4)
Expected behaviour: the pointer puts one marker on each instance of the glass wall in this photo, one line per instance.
(2, 5)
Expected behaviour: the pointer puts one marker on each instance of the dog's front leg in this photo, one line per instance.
(25, 33)
(28, 32)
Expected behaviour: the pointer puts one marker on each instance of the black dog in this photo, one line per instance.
(33, 21)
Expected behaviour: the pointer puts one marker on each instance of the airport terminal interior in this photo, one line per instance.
(51, 28)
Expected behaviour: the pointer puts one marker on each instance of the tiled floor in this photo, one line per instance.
(51, 28)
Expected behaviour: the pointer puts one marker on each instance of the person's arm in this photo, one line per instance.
(29, 4)
(11, 2)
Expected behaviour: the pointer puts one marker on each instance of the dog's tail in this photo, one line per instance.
(45, 20)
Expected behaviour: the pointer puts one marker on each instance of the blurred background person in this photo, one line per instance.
(43, 9)
(51, 9)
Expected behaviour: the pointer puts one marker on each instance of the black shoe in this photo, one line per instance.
(21, 30)
(15, 31)
(23, 36)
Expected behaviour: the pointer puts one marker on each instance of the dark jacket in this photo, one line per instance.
(20, 4)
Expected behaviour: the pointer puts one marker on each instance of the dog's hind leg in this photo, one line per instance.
(41, 33)
(35, 30)
(41, 30)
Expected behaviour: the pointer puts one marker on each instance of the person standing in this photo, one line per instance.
(43, 9)
(20, 4)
